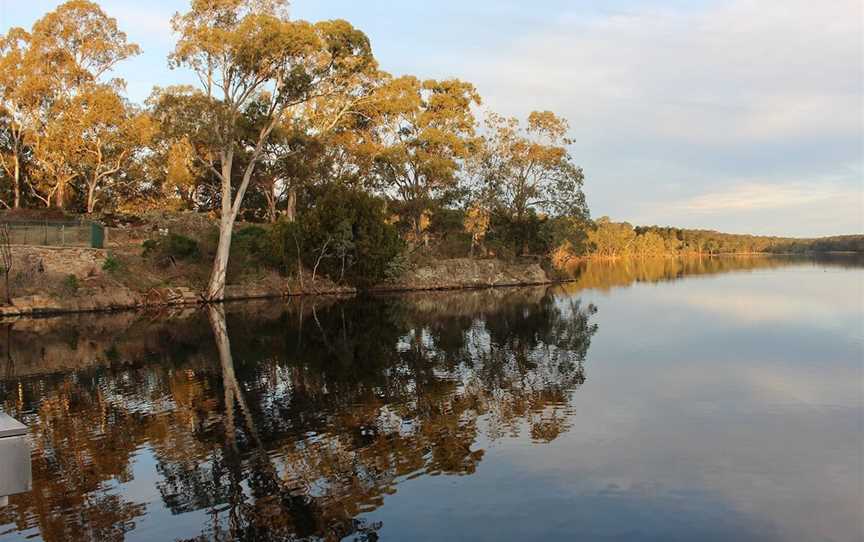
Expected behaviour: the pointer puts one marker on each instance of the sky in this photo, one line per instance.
(744, 116)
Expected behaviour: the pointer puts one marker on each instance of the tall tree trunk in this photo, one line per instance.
(418, 232)
(216, 287)
(231, 204)
(91, 197)
(271, 207)
(61, 194)
(16, 182)
(291, 207)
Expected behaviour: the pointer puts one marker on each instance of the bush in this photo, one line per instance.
(171, 248)
(569, 231)
(250, 249)
(70, 284)
(510, 237)
(398, 266)
(111, 264)
(344, 232)
(282, 248)
(449, 238)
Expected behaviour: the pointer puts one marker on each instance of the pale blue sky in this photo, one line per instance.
(737, 115)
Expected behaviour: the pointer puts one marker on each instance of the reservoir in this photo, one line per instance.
(709, 399)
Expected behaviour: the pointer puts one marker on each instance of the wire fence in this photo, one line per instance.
(61, 233)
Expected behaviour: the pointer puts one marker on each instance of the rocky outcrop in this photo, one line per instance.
(122, 298)
(58, 261)
(84, 300)
(469, 273)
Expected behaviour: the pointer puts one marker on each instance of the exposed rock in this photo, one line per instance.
(440, 275)
(58, 261)
(179, 295)
(469, 273)
(36, 304)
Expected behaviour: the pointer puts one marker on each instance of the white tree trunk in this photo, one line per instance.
(216, 287)
(16, 180)
(291, 207)
(91, 197)
(230, 210)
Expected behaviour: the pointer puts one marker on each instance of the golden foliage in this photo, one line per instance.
(564, 257)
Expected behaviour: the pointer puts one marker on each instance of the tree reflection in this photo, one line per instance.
(605, 274)
(291, 423)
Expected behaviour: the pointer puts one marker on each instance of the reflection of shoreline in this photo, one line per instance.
(604, 275)
(297, 418)
(37, 308)
(73, 342)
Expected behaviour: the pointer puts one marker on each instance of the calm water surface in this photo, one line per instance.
(703, 400)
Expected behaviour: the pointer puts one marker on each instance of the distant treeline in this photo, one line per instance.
(620, 239)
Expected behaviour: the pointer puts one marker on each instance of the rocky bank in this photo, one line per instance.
(448, 274)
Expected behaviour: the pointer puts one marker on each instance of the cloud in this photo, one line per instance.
(759, 196)
(702, 98)
(739, 70)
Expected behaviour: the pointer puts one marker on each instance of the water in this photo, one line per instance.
(702, 400)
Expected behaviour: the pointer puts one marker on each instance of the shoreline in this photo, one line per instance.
(54, 308)
(452, 274)
(443, 275)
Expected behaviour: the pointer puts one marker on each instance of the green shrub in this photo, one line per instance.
(446, 222)
(509, 237)
(344, 231)
(250, 249)
(398, 266)
(150, 247)
(285, 245)
(170, 248)
(71, 284)
(571, 230)
(181, 247)
(111, 264)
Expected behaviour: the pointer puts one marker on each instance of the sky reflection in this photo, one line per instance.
(717, 400)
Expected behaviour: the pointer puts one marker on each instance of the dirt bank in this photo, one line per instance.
(449, 274)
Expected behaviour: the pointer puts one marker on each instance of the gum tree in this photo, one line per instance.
(43, 74)
(525, 170)
(245, 53)
(426, 133)
(111, 132)
(18, 102)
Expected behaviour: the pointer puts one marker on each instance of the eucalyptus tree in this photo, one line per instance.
(528, 169)
(111, 131)
(18, 103)
(427, 131)
(246, 51)
(44, 73)
(611, 239)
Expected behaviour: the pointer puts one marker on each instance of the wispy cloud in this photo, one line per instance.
(758, 197)
(700, 97)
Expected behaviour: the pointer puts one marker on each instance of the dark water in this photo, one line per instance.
(703, 400)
